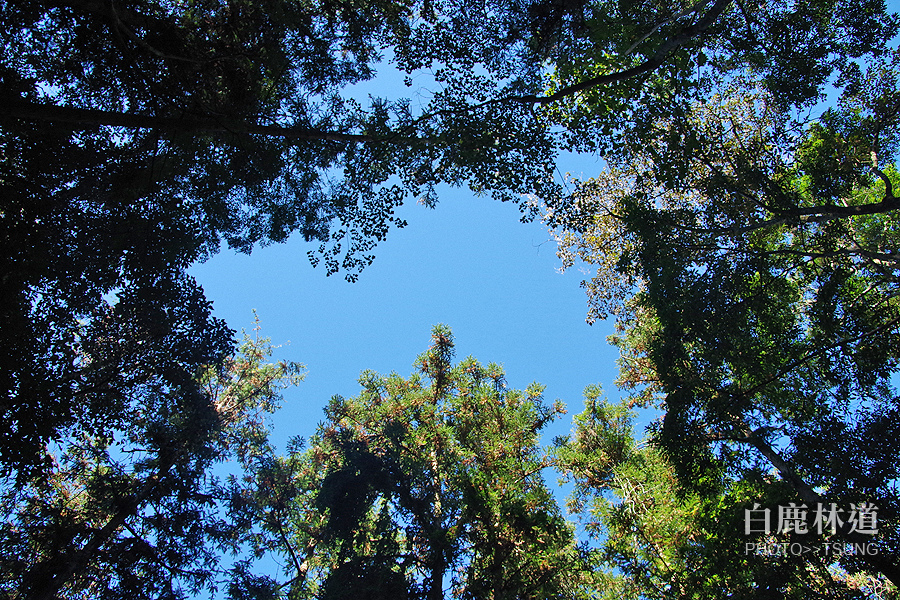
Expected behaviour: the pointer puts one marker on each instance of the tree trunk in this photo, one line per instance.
(886, 564)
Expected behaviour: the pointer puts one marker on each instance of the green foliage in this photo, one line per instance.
(756, 290)
(750, 254)
(654, 537)
(420, 487)
(135, 512)
(138, 138)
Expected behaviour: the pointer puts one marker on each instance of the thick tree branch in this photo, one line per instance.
(806, 214)
(89, 118)
(832, 211)
(879, 258)
(687, 11)
(888, 188)
(652, 63)
(885, 564)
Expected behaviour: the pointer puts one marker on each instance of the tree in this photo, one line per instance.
(418, 488)
(763, 321)
(139, 136)
(235, 115)
(136, 512)
(656, 538)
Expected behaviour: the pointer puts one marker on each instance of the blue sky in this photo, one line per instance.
(470, 263)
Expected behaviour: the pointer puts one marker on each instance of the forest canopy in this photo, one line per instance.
(742, 231)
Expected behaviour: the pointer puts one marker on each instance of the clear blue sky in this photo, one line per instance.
(470, 263)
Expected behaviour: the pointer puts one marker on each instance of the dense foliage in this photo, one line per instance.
(138, 137)
(419, 488)
(751, 257)
(134, 511)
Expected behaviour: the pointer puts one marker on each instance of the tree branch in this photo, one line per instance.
(888, 188)
(810, 355)
(53, 578)
(664, 22)
(106, 9)
(881, 563)
(89, 118)
(808, 214)
(652, 63)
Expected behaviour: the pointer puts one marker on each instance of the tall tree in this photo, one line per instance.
(135, 512)
(654, 537)
(764, 322)
(420, 488)
(138, 136)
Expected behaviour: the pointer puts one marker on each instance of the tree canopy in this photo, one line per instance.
(755, 281)
(134, 511)
(420, 487)
(744, 236)
(139, 136)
